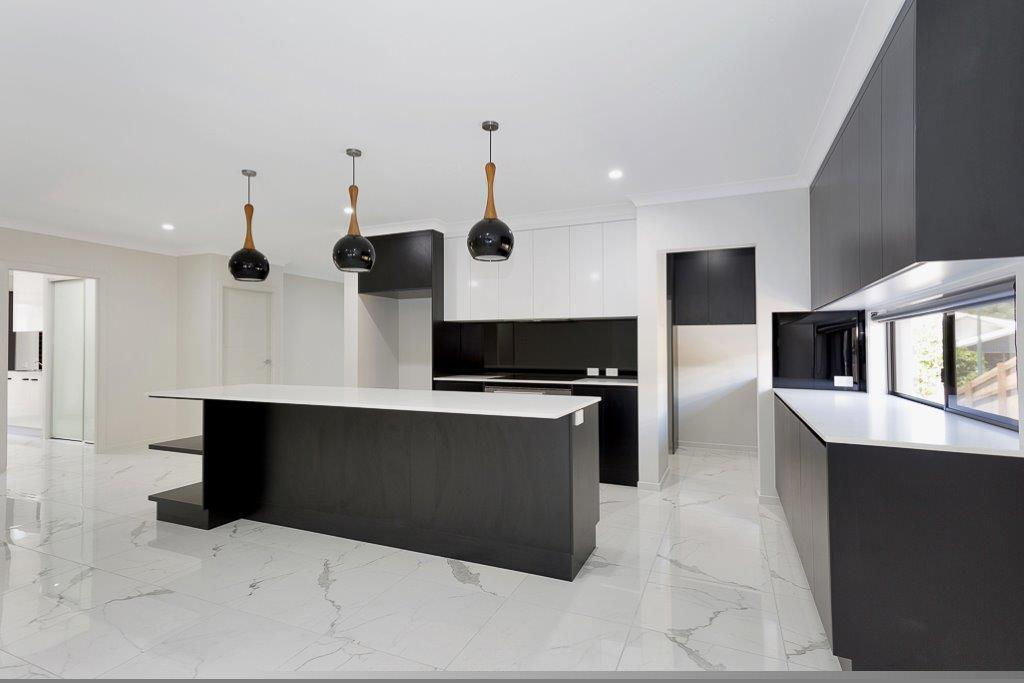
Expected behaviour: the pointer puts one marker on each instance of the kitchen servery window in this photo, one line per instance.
(959, 353)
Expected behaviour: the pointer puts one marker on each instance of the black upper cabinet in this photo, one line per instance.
(690, 293)
(406, 266)
(869, 119)
(714, 287)
(927, 165)
(898, 149)
(731, 299)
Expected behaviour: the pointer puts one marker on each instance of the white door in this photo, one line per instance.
(247, 358)
(67, 373)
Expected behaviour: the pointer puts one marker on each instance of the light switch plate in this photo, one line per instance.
(611, 372)
(577, 418)
(593, 372)
(845, 381)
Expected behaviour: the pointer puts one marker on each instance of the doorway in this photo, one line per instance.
(712, 348)
(247, 354)
(51, 365)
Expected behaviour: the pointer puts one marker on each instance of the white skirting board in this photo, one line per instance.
(720, 446)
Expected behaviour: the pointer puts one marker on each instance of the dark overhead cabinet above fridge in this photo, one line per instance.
(927, 165)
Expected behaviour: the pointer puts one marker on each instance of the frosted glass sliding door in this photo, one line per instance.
(72, 369)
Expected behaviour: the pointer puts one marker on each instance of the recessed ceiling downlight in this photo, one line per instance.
(615, 173)
(166, 226)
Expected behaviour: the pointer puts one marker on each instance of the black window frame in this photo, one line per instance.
(948, 378)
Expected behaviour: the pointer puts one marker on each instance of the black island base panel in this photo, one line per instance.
(512, 492)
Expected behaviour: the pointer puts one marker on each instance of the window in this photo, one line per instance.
(985, 360)
(959, 353)
(917, 347)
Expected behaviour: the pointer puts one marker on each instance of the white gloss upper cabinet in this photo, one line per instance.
(586, 271)
(551, 273)
(456, 278)
(483, 289)
(515, 280)
(620, 269)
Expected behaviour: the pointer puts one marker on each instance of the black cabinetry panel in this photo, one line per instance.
(731, 287)
(690, 293)
(898, 144)
(619, 432)
(714, 287)
(869, 120)
(406, 264)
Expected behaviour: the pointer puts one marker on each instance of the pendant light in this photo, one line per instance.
(247, 264)
(353, 253)
(490, 239)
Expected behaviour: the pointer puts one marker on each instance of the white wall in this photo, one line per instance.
(415, 345)
(200, 283)
(137, 308)
(377, 341)
(777, 225)
(716, 385)
(314, 331)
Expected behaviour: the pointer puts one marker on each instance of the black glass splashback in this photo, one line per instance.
(812, 349)
(536, 345)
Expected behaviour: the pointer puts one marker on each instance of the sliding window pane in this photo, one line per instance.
(917, 347)
(985, 371)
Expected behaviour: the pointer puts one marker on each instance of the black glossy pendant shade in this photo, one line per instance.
(353, 253)
(490, 239)
(248, 264)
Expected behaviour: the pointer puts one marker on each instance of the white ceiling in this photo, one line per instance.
(119, 116)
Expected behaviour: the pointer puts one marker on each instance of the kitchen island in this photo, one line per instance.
(505, 480)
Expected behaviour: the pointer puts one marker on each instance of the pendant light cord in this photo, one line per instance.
(248, 189)
(490, 146)
(353, 170)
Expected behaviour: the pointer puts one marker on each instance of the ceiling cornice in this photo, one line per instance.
(876, 19)
(690, 194)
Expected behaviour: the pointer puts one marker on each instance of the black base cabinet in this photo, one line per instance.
(914, 557)
(619, 432)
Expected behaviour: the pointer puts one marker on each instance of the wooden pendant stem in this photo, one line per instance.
(353, 222)
(490, 211)
(248, 228)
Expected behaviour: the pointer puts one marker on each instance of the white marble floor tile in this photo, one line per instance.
(525, 637)
(420, 620)
(647, 515)
(648, 650)
(237, 570)
(330, 654)
(35, 523)
(228, 644)
(15, 667)
(114, 624)
(804, 636)
(605, 591)
(316, 597)
(625, 546)
(486, 579)
(705, 526)
(701, 560)
(718, 503)
(719, 615)
(23, 566)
